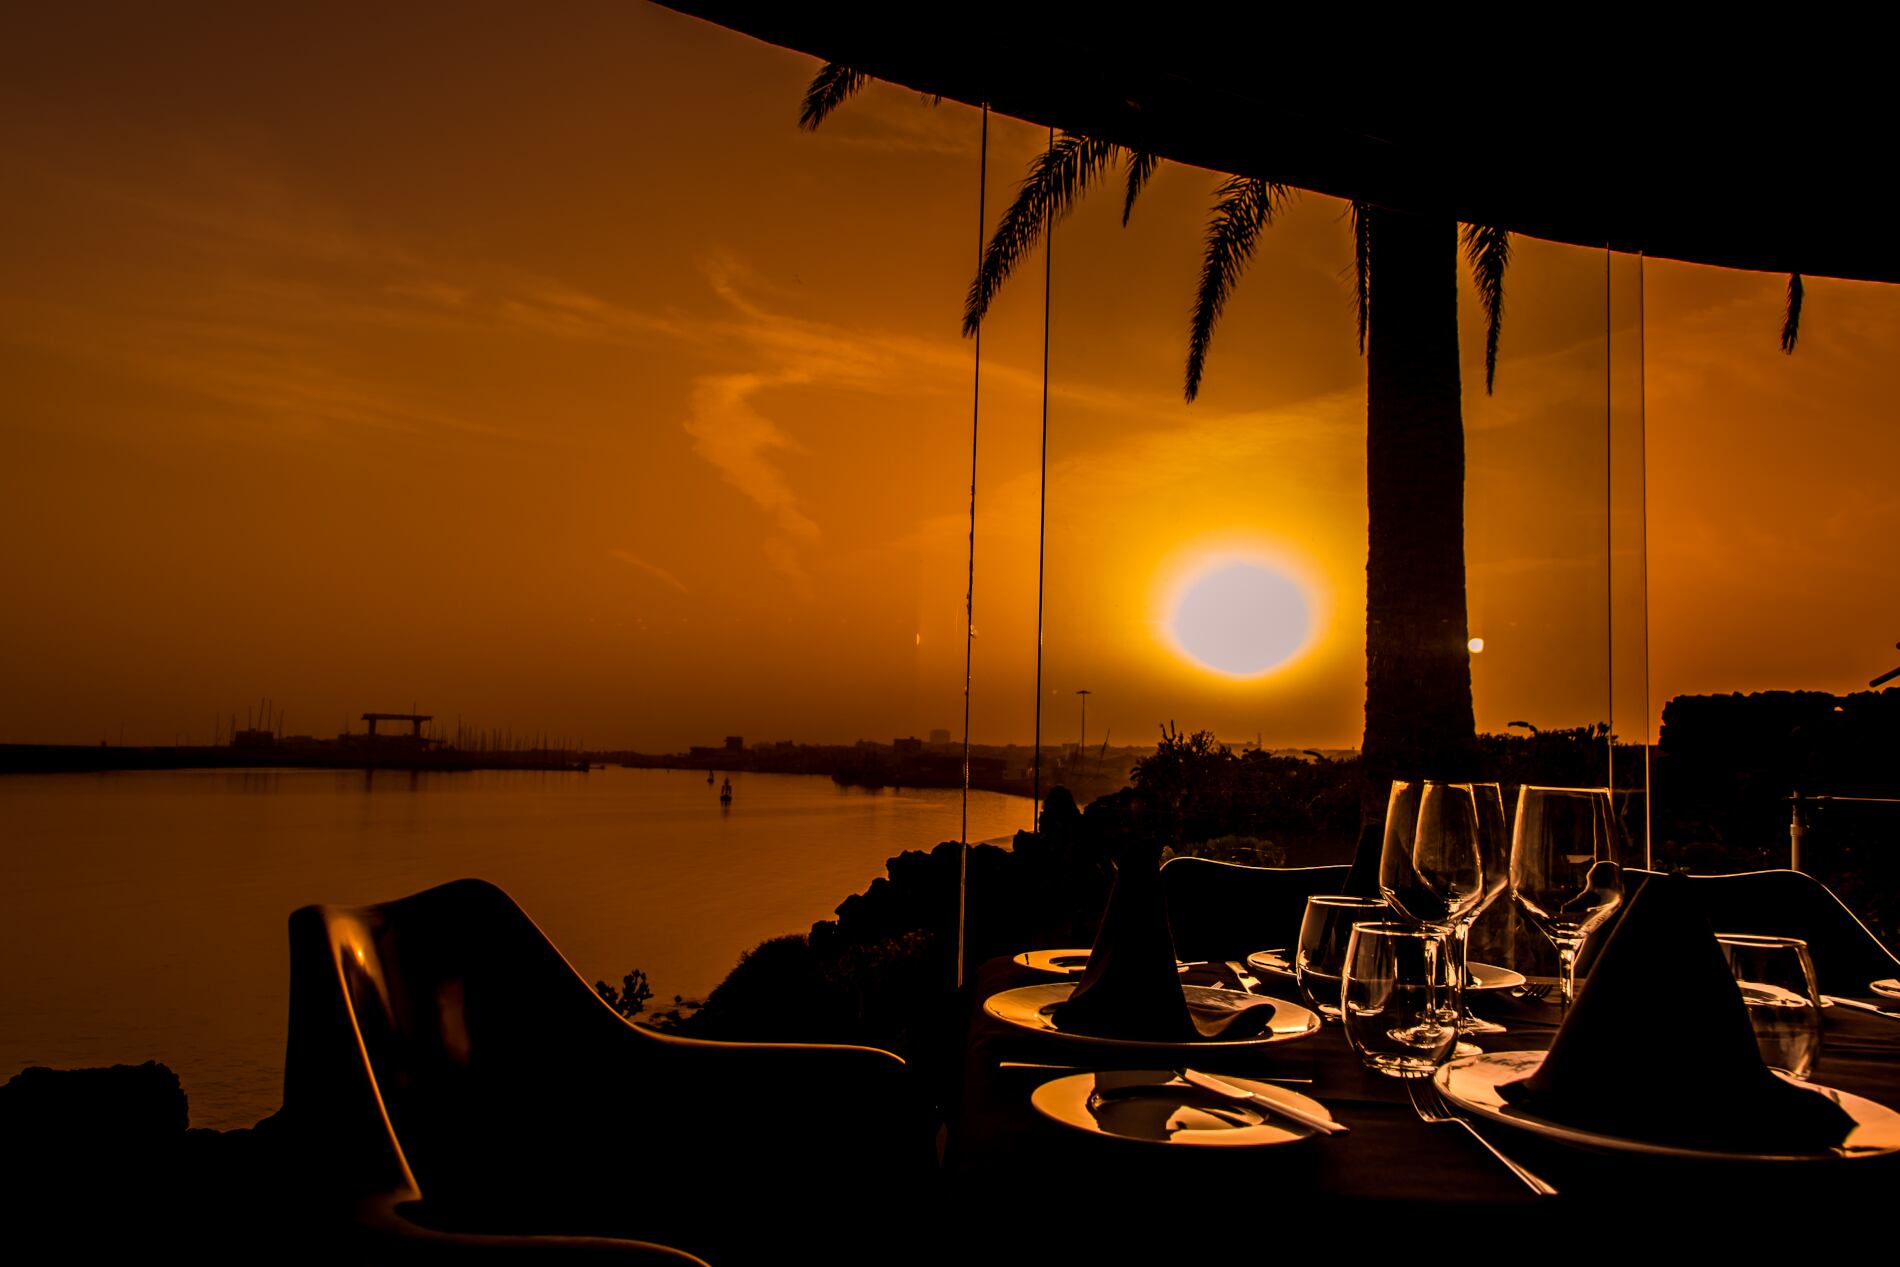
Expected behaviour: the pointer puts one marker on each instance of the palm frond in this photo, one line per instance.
(1058, 176)
(1791, 319)
(1243, 206)
(1140, 168)
(1361, 268)
(829, 89)
(1489, 251)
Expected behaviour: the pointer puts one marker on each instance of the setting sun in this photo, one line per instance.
(1240, 617)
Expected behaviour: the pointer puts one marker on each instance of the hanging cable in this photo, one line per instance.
(1042, 489)
(1609, 520)
(1642, 427)
(969, 593)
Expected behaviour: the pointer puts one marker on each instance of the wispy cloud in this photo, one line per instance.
(739, 443)
(653, 570)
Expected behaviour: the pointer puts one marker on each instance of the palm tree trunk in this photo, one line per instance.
(1418, 668)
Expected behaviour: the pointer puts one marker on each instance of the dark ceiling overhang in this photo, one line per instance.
(1753, 146)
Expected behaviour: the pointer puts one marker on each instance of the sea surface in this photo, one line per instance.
(142, 914)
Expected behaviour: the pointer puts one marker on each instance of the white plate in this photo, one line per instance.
(1060, 963)
(1889, 986)
(1472, 1084)
(1028, 1006)
(1271, 963)
(1155, 1107)
(1069, 962)
(1489, 976)
(1756, 995)
(1484, 976)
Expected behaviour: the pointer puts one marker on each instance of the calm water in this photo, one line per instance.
(142, 915)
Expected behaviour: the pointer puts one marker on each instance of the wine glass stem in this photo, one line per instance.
(1461, 964)
(1567, 973)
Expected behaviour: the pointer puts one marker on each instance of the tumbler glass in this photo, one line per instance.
(1776, 975)
(1400, 996)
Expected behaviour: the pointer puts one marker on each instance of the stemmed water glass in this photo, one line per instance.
(1566, 867)
(1431, 870)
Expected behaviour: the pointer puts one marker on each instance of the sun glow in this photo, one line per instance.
(1239, 614)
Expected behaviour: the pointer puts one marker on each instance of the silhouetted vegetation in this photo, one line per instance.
(631, 999)
(1201, 797)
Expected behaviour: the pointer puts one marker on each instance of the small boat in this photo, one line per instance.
(725, 792)
(709, 776)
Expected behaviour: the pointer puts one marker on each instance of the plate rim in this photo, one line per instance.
(1022, 959)
(1625, 1144)
(1886, 987)
(1153, 1045)
(1291, 1132)
(1266, 967)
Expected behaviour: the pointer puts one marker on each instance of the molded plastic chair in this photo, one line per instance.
(1783, 903)
(1224, 910)
(448, 1072)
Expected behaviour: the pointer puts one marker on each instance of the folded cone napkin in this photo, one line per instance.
(1658, 1046)
(1131, 988)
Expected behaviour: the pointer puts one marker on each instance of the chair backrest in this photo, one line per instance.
(1223, 910)
(429, 1034)
(441, 1046)
(1782, 903)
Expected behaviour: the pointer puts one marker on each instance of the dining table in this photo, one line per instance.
(1391, 1170)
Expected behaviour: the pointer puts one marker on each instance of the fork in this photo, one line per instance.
(1430, 1107)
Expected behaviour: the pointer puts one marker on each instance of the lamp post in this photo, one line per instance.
(1082, 744)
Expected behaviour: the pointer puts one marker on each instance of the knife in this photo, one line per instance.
(1045, 1067)
(1858, 1006)
(1305, 1117)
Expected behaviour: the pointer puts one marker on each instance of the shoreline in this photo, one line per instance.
(106, 758)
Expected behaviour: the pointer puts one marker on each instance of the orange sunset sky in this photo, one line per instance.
(526, 364)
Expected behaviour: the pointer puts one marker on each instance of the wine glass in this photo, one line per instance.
(1494, 856)
(1566, 867)
(1399, 998)
(1776, 976)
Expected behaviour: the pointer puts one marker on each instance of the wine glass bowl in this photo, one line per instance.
(1430, 870)
(1566, 867)
(1494, 844)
